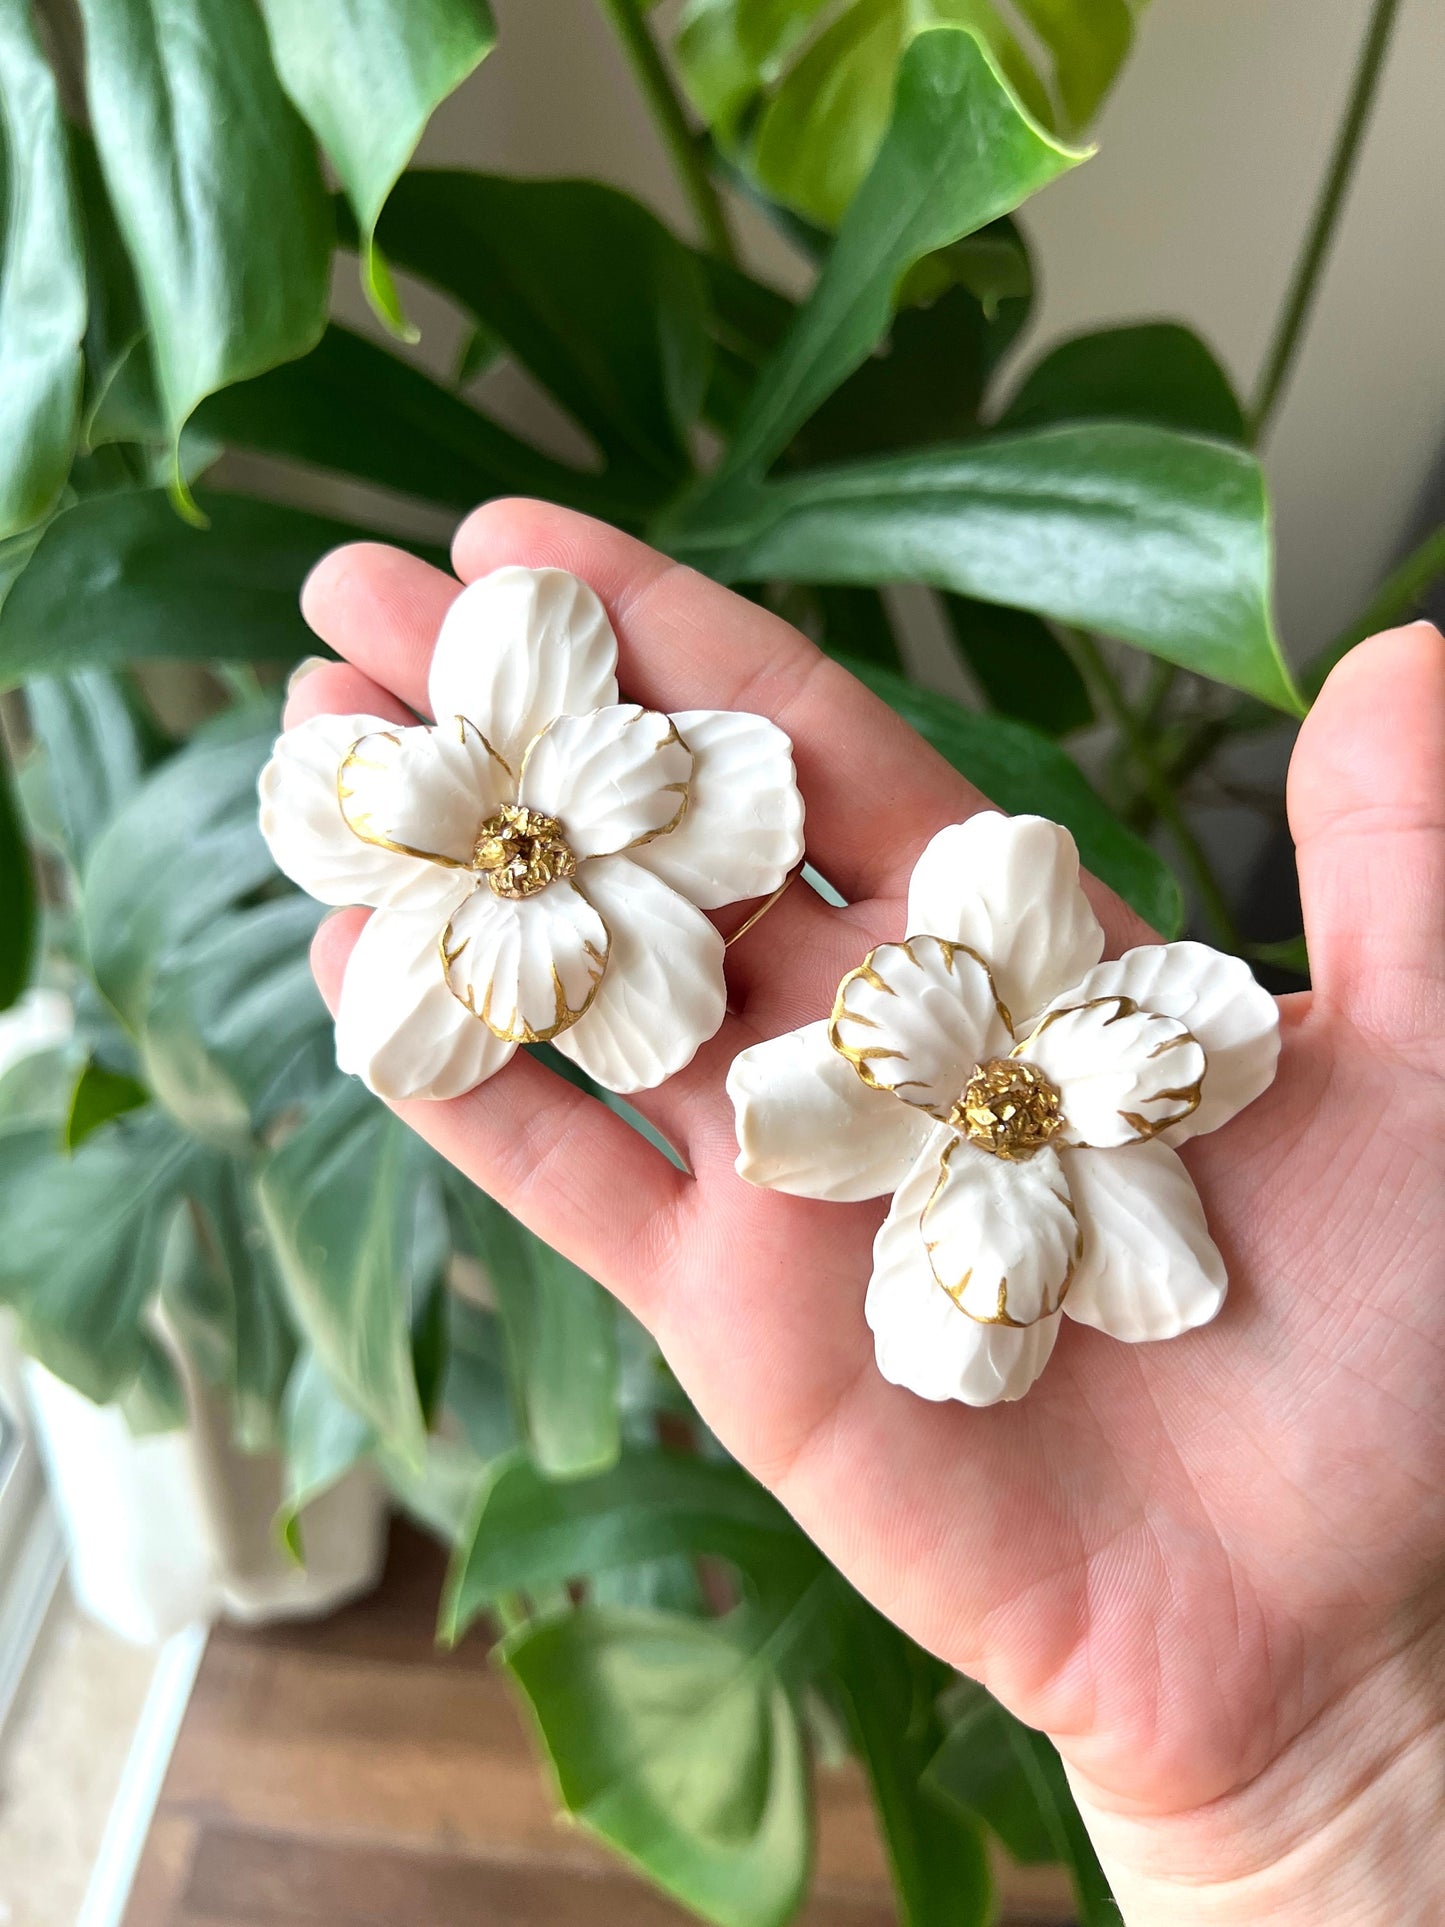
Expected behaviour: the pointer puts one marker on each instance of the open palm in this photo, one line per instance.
(1203, 1566)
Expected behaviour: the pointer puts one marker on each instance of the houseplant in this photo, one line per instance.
(165, 301)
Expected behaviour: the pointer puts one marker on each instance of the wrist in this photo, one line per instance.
(1346, 1824)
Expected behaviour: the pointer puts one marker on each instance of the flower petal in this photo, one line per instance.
(422, 792)
(1234, 1018)
(808, 1126)
(1008, 887)
(663, 995)
(743, 831)
(398, 1027)
(1122, 1073)
(303, 826)
(614, 778)
(528, 967)
(1149, 1268)
(1001, 1233)
(921, 1339)
(519, 647)
(916, 1017)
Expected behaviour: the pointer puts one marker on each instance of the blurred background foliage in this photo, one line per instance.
(187, 1173)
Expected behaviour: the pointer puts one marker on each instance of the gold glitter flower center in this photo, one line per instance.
(1008, 1108)
(521, 851)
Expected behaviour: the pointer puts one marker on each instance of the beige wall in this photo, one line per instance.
(1210, 154)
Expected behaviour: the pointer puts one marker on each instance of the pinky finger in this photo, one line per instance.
(562, 1163)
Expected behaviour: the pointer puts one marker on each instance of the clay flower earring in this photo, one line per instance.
(1020, 1100)
(538, 859)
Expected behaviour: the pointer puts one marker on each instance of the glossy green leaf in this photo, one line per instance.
(95, 752)
(216, 189)
(936, 1854)
(17, 893)
(1021, 667)
(531, 1533)
(561, 1336)
(352, 407)
(959, 153)
(994, 1766)
(349, 1199)
(99, 1094)
(590, 293)
(119, 578)
(675, 1741)
(1159, 538)
(42, 282)
(367, 76)
(1156, 372)
(84, 1242)
(1022, 771)
(323, 1439)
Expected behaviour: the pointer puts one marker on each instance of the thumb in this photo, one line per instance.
(1367, 810)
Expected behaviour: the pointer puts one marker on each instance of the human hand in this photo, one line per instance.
(1210, 1569)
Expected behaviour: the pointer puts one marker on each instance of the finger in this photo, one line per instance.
(557, 1159)
(336, 689)
(1367, 809)
(381, 609)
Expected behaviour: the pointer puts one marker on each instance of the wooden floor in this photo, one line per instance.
(345, 1774)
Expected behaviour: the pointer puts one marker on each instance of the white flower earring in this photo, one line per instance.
(1020, 1100)
(538, 859)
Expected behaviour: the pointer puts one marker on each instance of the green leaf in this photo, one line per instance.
(155, 1400)
(84, 1242)
(590, 293)
(959, 153)
(94, 750)
(1020, 665)
(936, 1854)
(531, 1533)
(561, 1336)
(1023, 772)
(994, 1766)
(800, 90)
(224, 1298)
(17, 893)
(235, 1032)
(119, 578)
(184, 847)
(1156, 372)
(98, 1096)
(675, 1741)
(215, 187)
(345, 1198)
(1089, 41)
(323, 1438)
(367, 76)
(1158, 538)
(352, 407)
(42, 283)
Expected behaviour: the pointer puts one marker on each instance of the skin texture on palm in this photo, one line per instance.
(1210, 1569)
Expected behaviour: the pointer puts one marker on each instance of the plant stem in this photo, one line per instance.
(1304, 284)
(1111, 697)
(667, 110)
(1395, 601)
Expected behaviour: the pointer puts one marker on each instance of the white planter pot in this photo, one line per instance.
(167, 1530)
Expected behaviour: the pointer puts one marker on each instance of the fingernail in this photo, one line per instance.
(304, 668)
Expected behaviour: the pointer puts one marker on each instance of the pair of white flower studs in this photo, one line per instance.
(538, 861)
